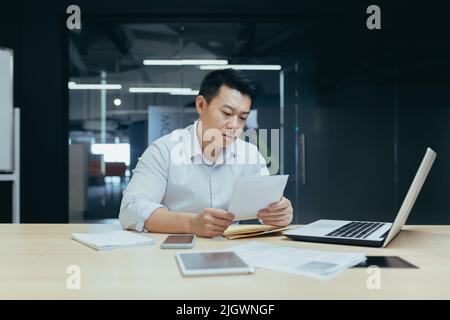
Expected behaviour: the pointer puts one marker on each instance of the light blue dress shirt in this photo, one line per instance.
(174, 173)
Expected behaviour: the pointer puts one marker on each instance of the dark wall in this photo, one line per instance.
(349, 128)
(369, 111)
(424, 109)
(424, 121)
(34, 32)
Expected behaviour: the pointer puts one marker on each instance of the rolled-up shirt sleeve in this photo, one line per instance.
(146, 189)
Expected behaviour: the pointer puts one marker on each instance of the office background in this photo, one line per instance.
(367, 102)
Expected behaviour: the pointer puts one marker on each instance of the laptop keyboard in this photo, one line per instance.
(359, 230)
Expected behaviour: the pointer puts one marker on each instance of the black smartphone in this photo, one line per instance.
(385, 262)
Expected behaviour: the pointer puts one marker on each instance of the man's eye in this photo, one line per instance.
(244, 118)
(226, 113)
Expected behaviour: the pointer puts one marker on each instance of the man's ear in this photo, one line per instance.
(200, 104)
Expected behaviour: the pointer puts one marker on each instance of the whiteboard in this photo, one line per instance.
(6, 110)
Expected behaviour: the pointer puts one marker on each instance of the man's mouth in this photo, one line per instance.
(228, 136)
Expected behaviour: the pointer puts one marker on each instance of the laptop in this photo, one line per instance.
(364, 233)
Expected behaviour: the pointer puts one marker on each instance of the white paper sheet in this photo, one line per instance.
(253, 194)
(311, 263)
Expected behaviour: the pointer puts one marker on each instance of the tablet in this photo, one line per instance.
(250, 195)
(212, 263)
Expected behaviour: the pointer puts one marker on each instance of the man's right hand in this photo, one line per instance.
(211, 222)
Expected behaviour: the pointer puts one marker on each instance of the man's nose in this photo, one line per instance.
(234, 123)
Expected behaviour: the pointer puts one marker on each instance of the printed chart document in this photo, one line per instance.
(113, 240)
(310, 263)
(250, 195)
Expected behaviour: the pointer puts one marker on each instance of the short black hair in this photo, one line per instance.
(232, 78)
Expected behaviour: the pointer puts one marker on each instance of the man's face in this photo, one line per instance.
(226, 113)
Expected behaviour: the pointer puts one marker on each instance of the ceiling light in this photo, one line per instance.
(184, 62)
(186, 93)
(243, 67)
(93, 86)
(161, 90)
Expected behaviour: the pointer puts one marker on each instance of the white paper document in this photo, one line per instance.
(253, 194)
(311, 263)
(113, 240)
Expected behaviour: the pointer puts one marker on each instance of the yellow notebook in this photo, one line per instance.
(246, 231)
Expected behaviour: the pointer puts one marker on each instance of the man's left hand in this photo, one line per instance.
(277, 214)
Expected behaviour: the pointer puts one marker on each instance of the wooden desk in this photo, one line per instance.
(34, 261)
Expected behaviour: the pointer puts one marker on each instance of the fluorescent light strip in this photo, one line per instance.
(93, 86)
(162, 90)
(243, 67)
(184, 62)
(187, 93)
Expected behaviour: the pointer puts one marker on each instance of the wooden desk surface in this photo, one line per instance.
(34, 261)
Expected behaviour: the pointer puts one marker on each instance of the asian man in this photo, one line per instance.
(183, 181)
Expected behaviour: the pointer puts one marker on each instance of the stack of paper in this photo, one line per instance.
(112, 240)
(312, 263)
(245, 231)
